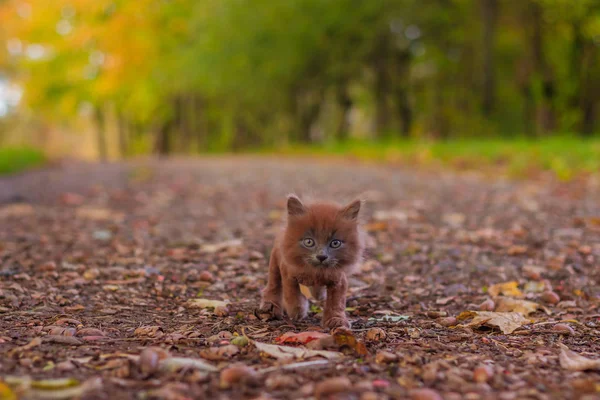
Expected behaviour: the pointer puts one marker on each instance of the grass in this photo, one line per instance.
(13, 159)
(565, 156)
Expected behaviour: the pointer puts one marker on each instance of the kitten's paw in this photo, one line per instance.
(272, 308)
(336, 322)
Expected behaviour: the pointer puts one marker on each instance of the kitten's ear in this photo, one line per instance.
(351, 210)
(295, 206)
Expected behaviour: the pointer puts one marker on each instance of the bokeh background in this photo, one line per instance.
(467, 82)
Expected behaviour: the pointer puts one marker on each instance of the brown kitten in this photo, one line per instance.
(319, 248)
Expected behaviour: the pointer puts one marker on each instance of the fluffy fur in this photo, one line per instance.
(319, 247)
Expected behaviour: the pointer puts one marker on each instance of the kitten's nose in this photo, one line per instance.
(321, 258)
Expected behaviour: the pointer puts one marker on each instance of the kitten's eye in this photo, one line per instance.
(308, 242)
(335, 243)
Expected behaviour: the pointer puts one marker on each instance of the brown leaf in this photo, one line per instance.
(90, 332)
(220, 353)
(68, 340)
(60, 331)
(345, 337)
(575, 362)
(524, 307)
(508, 322)
(149, 331)
(287, 353)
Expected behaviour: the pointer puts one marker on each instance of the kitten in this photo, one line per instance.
(319, 248)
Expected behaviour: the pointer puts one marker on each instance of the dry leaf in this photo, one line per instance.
(288, 353)
(507, 289)
(508, 322)
(211, 248)
(205, 303)
(220, 353)
(176, 363)
(16, 210)
(506, 304)
(575, 362)
(149, 331)
(300, 338)
(97, 214)
(345, 337)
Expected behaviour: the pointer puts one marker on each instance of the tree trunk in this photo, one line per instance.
(101, 134)
(381, 85)
(163, 138)
(123, 132)
(489, 12)
(345, 105)
(405, 112)
(545, 108)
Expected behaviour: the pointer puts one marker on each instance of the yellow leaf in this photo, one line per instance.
(507, 289)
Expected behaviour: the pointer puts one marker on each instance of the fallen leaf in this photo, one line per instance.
(507, 289)
(287, 353)
(376, 226)
(454, 219)
(506, 304)
(390, 318)
(534, 287)
(296, 366)
(205, 303)
(299, 338)
(220, 353)
(516, 250)
(211, 248)
(68, 340)
(390, 214)
(6, 392)
(575, 362)
(376, 334)
(149, 331)
(16, 210)
(172, 364)
(345, 337)
(98, 214)
(508, 322)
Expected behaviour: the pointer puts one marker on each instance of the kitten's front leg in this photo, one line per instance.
(334, 314)
(271, 295)
(294, 302)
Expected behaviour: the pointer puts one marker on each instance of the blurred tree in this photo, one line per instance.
(228, 74)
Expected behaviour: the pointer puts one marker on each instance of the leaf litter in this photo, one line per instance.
(140, 304)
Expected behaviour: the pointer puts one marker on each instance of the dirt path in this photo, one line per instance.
(98, 263)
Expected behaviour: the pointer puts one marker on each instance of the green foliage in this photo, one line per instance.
(566, 156)
(14, 160)
(216, 75)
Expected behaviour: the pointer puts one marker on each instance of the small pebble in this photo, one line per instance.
(483, 373)
(236, 374)
(206, 276)
(447, 321)
(563, 329)
(550, 297)
(424, 394)
(332, 385)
